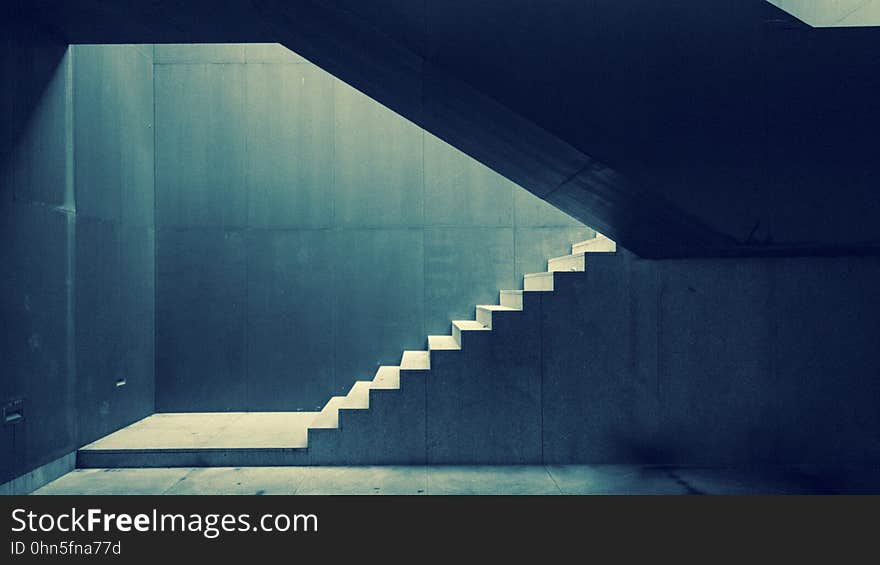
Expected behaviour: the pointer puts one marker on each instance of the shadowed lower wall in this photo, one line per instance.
(714, 362)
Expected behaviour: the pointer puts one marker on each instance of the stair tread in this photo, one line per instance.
(569, 256)
(598, 244)
(325, 421)
(469, 325)
(576, 262)
(521, 292)
(387, 377)
(497, 307)
(512, 298)
(442, 342)
(595, 238)
(591, 241)
(415, 360)
(538, 281)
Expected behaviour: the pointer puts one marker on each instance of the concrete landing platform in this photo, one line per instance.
(203, 439)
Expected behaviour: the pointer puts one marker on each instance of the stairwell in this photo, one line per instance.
(472, 397)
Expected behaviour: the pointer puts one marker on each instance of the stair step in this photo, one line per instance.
(358, 398)
(359, 395)
(459, 326)
(329, 416)
(511, 298)
(484, 312)
(538, 281)
(442, 342)
(387, 377)
(204, 440)
(598, 244)
(415, 361)
(573, 262)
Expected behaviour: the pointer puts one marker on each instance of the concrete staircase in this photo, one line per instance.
(472, 397)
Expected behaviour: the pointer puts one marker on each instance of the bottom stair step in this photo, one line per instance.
(195, 457)
(204, 440)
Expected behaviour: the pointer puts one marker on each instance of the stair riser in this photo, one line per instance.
(573, 263)
(538, 283)
(90, 459)
(511, 300)
(441, 343)
(485, 317)
(387, 384)
(457, 334)
(603, 246)
(358, 396)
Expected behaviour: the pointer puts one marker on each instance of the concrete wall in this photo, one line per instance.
(307, 234)
(115, 236)
(693, 362)
(714, 362)
(76, 243)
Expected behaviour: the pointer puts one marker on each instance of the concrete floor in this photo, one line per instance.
(212, 430)
(470, 480)
(288, 430)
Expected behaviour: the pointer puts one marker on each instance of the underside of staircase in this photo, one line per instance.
(474, 396)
